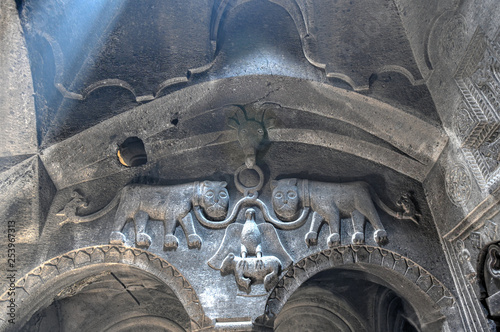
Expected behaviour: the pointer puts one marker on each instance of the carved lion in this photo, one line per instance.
(333, 201)
(170, 204)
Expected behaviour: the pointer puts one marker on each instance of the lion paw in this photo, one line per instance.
(170, 242)
(194, 241)
(358, 238)
(380, 237)
(117, 238)
(333, 240)
(143, 240)
(311, 238)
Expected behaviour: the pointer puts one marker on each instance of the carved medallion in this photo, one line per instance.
(462, 122)
(458, 184)
(452, 36)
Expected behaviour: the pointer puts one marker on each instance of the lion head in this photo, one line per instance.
(285, 198)
(214, 199)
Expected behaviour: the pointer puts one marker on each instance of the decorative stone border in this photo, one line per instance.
(350, 257)
(68, 264)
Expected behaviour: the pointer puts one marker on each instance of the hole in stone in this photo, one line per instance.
(175, 121)
(249, 178)
(131, 152)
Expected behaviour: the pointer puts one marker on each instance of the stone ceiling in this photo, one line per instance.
(90, 63)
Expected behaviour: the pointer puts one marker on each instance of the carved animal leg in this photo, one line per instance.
(142, 240)
(170, 242)
(259, 264)
(242, 264)
(241, 280)
(194, 241)
(334, 223)
(121, 218)
(117, 238)
(358, 223)
(271, 278)
(312, 236)
(244, 251)
(380, 235)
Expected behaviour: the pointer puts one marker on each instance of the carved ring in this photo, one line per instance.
(245, 190)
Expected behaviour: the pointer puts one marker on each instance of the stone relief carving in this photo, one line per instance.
(332, 201)
(251, 266)
(464, 257)
(458, 184)
(251, 248)
(252, 123)
(477, 124)
(170, 204)
(462, 122)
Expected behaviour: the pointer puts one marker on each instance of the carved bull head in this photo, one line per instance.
(252, 123)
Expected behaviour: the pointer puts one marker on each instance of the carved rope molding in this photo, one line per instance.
(36, 279)
(352, 255)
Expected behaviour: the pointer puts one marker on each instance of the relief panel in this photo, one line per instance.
(477, 122)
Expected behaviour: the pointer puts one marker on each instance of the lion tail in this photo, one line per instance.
(396, 214)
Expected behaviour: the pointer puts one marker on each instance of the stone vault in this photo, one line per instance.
(250, 165)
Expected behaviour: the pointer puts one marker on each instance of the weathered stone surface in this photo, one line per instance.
(17, 108)
(250, 165)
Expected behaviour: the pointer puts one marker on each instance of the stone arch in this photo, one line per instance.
(411, 279)
(39, 286)
(291, 6)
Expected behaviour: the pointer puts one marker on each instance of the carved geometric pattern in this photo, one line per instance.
(70, 262)
(356, 254)
(478, 78)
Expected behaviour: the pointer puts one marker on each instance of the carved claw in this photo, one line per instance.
(194, 241)
(242, 264)
(65, 221)
(117, 238)
(415, 218)
(259, 264)
(333, 240)
(170, 243)
(143, 240)
(358, 238)
(311, 238)
(380, 237)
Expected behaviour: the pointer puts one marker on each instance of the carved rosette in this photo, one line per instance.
(458, 184)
